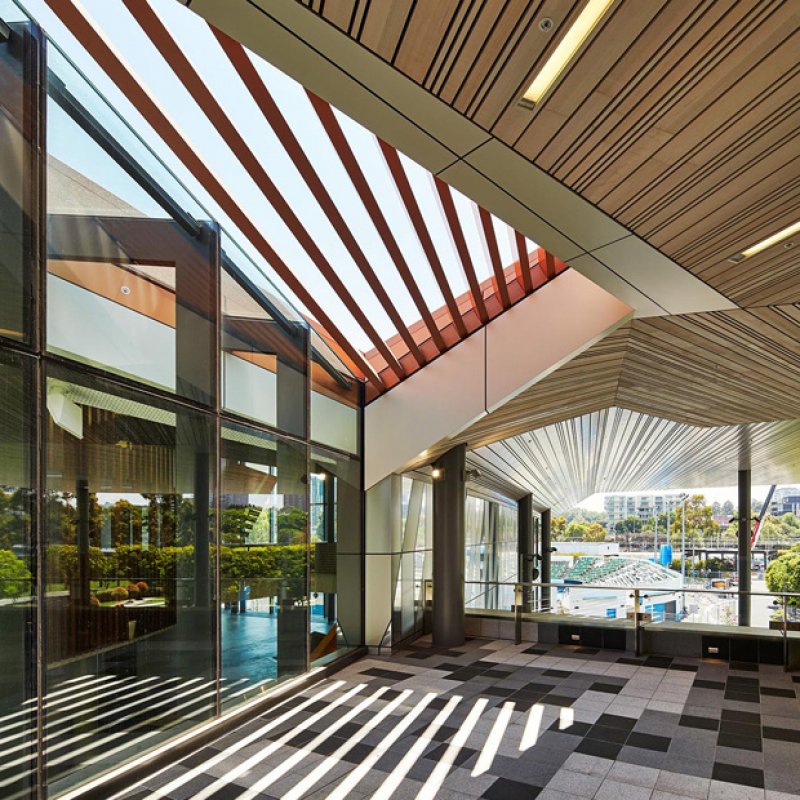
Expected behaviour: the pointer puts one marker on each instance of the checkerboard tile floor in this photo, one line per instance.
(502, 721)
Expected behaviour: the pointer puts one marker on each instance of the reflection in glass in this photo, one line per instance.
(130, 284)
(17, 723)
(263, 350)
(17, 202)
(129, 617)
(335, 554)
(263, 560)
(335, 399)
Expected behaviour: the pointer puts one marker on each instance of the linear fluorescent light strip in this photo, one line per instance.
(771, 240)
(573, 39)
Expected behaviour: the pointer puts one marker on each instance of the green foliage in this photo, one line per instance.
(15, 579)
(558, 528)
(700, 523)
(15, 518)
(783, 574)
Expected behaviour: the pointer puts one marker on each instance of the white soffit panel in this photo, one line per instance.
(666, 282)
(546, 330)
(509, 354)
(437, 401)
(568, 212)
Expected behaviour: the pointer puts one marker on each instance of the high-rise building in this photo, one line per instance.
(642, 506)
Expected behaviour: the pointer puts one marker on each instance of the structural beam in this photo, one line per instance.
(449, 501)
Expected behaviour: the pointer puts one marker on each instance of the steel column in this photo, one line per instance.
(743, 555)
(545, 553)
(525, 546)
(449, 501)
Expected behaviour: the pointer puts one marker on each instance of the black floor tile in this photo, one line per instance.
(575, 729)
(738, 680)
(704, 723)
(684, 667)
(395, 675)
(615, 721)
(438, 703)
(740, 728)
(782, 734)
(229, 791)
(198, 758)
(744, 666)
(449, 667)
(608, 734)
(587, 651)
(599, 748)
(700, 683)
(741, 716)
(649, 741)
(739, 742)
(504, 789)
(661, 662)
(557, 673)
(558, 700)
(732, 773)
(742, 697)
(610, 688)
(773, 692)
(633, 662)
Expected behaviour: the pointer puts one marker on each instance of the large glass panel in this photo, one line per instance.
(18, 200)
(131, 274)
(17, 590)
(491, 554)
(129, 560)
(336, 574)
(264, 348)
(412, 566)
(264, 560)
(335, 399)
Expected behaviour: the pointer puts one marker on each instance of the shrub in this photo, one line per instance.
(15, 579)
(133, 591)
(93, 601)
(143, 588)
(104, 595)
(119, 593)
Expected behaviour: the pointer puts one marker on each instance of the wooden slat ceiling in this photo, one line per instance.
(678, 119)
(620, 450)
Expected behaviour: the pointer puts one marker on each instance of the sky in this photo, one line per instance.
(194, 37)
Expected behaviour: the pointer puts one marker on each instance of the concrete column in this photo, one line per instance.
(743, 555)
(449, 501)
(525, 546)
(545, 553)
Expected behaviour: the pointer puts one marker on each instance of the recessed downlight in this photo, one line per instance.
(575, 36)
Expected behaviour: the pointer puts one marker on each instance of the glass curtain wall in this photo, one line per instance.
(491, 553)
(161, 438)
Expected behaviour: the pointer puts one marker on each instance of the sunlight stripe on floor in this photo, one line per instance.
(443, 766)
(395, 777)
(492, 743)
(248, 764)
(352, 779)
(334, 758)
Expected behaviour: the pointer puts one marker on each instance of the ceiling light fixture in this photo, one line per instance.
(768, 242)
(573, 39)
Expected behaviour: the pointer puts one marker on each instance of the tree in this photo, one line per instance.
(628, 527)
(783, 574)
(576, 531)
(699, 521)
(595, 532)
(558, 528)
(728, 508)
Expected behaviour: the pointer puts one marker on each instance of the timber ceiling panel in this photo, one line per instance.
(678, 119)
(620, 450)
